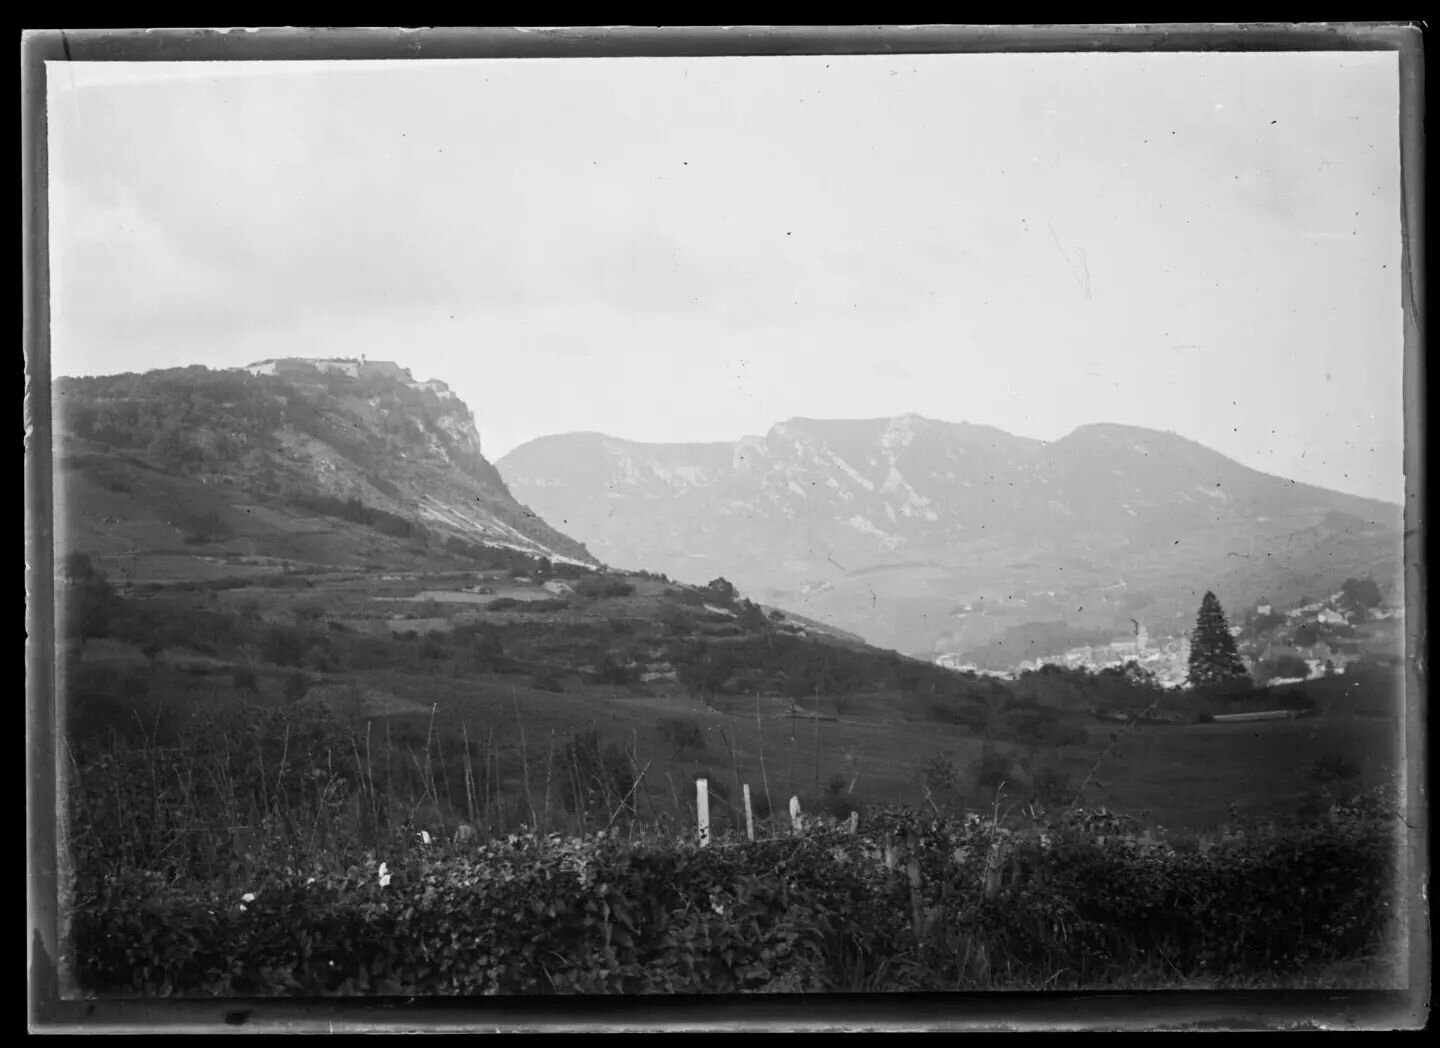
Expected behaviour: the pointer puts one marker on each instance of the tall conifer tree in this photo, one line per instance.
(1213, 658)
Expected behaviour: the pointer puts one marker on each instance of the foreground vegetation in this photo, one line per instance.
(905, 904)
(334, 784)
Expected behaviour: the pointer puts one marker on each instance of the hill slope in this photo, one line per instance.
(932, 536)
(330, 464)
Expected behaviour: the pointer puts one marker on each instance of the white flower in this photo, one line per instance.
(248, 897)
(384, 875)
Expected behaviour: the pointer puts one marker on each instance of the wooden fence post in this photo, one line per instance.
(917, 918)
(854, 822)
(702, 810)
(749, 815)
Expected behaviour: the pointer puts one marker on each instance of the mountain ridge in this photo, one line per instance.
(804, 507)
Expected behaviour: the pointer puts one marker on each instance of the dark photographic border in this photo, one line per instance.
(1405, 1009)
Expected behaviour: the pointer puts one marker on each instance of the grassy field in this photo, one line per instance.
(876, 740)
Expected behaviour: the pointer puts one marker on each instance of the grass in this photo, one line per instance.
(878, 739)
(177, 768)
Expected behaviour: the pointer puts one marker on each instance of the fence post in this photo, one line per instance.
(917, 916)
(795, 813)
(854, 822)
(749, 816)
(702, 810)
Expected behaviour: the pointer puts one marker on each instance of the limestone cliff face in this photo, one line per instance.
(318, 429)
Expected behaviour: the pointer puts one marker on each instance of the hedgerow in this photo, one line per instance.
(905, 904)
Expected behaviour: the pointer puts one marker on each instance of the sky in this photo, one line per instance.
(667, 249)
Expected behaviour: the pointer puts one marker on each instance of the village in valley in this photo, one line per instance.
(1313, 638)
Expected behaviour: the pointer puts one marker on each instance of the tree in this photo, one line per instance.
(1213, 658)
(751, 616)
(90, 602)
(1360, 595)
(702, 670)
(723, 591)
(992, 769)
(1133, 674)
(684, 736)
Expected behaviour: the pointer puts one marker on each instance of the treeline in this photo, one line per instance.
(357, 512)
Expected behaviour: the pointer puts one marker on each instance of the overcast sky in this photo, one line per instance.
(696, 249)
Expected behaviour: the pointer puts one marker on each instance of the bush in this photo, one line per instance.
(284, 645)
(317, 659)
(308, 612)
(722, 592)
(1051, 786)
(972, 716)
(939, 775)
(547, 680)
(816, 913)
(992, 769)
(613, 670)
(686, 737)
(600, 588)
(1235, 690)
(691, 598)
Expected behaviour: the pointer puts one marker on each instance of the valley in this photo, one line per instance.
(273, 664)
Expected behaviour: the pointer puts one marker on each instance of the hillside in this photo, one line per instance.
(940, 537)
(333, 463)
(335, 542)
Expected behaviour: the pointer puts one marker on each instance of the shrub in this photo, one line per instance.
(317, 658)
(815, 913)
(689, 597)
(939, 774)
(308, 612)
(296, 685)
(972, 716)
(722, 591)
(1051, 786)
(600, 588)
(684, 736)
(613, 670)
(547, 680)
(992, 769)
(284, 645)
(1229, 691)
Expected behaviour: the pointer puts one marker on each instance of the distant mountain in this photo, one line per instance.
(933, 536)
(249, 459)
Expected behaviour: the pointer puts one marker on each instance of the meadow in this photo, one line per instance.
(280, 736)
